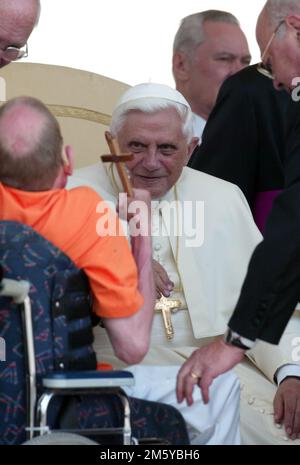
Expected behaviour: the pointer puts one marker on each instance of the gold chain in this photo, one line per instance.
(180, 288)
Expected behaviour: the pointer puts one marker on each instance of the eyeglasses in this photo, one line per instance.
(266, 68)
(14, 53)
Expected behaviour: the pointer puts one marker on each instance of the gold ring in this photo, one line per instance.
(194, 375)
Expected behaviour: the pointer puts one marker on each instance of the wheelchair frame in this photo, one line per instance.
(64, 384)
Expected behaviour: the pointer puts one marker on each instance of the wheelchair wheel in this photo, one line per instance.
(60, 439)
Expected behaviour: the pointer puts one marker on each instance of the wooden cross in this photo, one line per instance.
(166, 306)
(118, 158)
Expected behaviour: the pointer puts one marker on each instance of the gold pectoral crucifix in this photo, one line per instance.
(118, 158)
(166, 307)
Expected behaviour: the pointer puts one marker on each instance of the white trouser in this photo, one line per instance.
(215, 423)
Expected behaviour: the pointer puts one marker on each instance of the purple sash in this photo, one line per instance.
(262, 207)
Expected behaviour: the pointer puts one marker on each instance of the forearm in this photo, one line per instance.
(130, 336)
(142, 252)
(271, 358)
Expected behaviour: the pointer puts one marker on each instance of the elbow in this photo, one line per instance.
(133, 353)
(131, 359)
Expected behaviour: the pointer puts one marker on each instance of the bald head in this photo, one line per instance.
(21, 128)
(17, 20)
(30, 145)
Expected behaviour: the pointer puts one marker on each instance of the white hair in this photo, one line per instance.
(277, 10)
(152, 105)
(191, 34)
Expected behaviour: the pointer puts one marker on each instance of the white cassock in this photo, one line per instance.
(207, 280)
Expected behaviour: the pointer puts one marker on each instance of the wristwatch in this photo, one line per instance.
(236, 340)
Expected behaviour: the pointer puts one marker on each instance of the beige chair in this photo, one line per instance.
(82, 102)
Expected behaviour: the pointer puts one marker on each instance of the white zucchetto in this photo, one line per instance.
(151, 90)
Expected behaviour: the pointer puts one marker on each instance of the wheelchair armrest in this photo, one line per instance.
(17, 290)
(88, 379)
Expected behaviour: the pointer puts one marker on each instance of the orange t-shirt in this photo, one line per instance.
(69, 219)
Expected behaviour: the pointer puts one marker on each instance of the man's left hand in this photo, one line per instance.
(203, 366)
(287, 406)
(163, 284)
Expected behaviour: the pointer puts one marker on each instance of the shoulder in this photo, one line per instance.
(240, 91)
(94, 177)
(83, 194)
(248, 79)
(215, 192)
(225, 206)
(206, 184)
(260, 89)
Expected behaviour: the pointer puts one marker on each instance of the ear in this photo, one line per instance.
(191, 147)
(293, 21)
(68, 160)
(181, 66)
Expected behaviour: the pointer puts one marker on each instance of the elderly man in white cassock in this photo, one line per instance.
(203, 238)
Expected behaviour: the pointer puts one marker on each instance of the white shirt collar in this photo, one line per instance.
(198, 125)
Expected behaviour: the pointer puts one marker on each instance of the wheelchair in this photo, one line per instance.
(50, 390)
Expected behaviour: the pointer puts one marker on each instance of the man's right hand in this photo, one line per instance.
(163, 285)
(203, 366)
(287, 406)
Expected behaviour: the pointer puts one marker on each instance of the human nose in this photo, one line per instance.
(150, 160)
